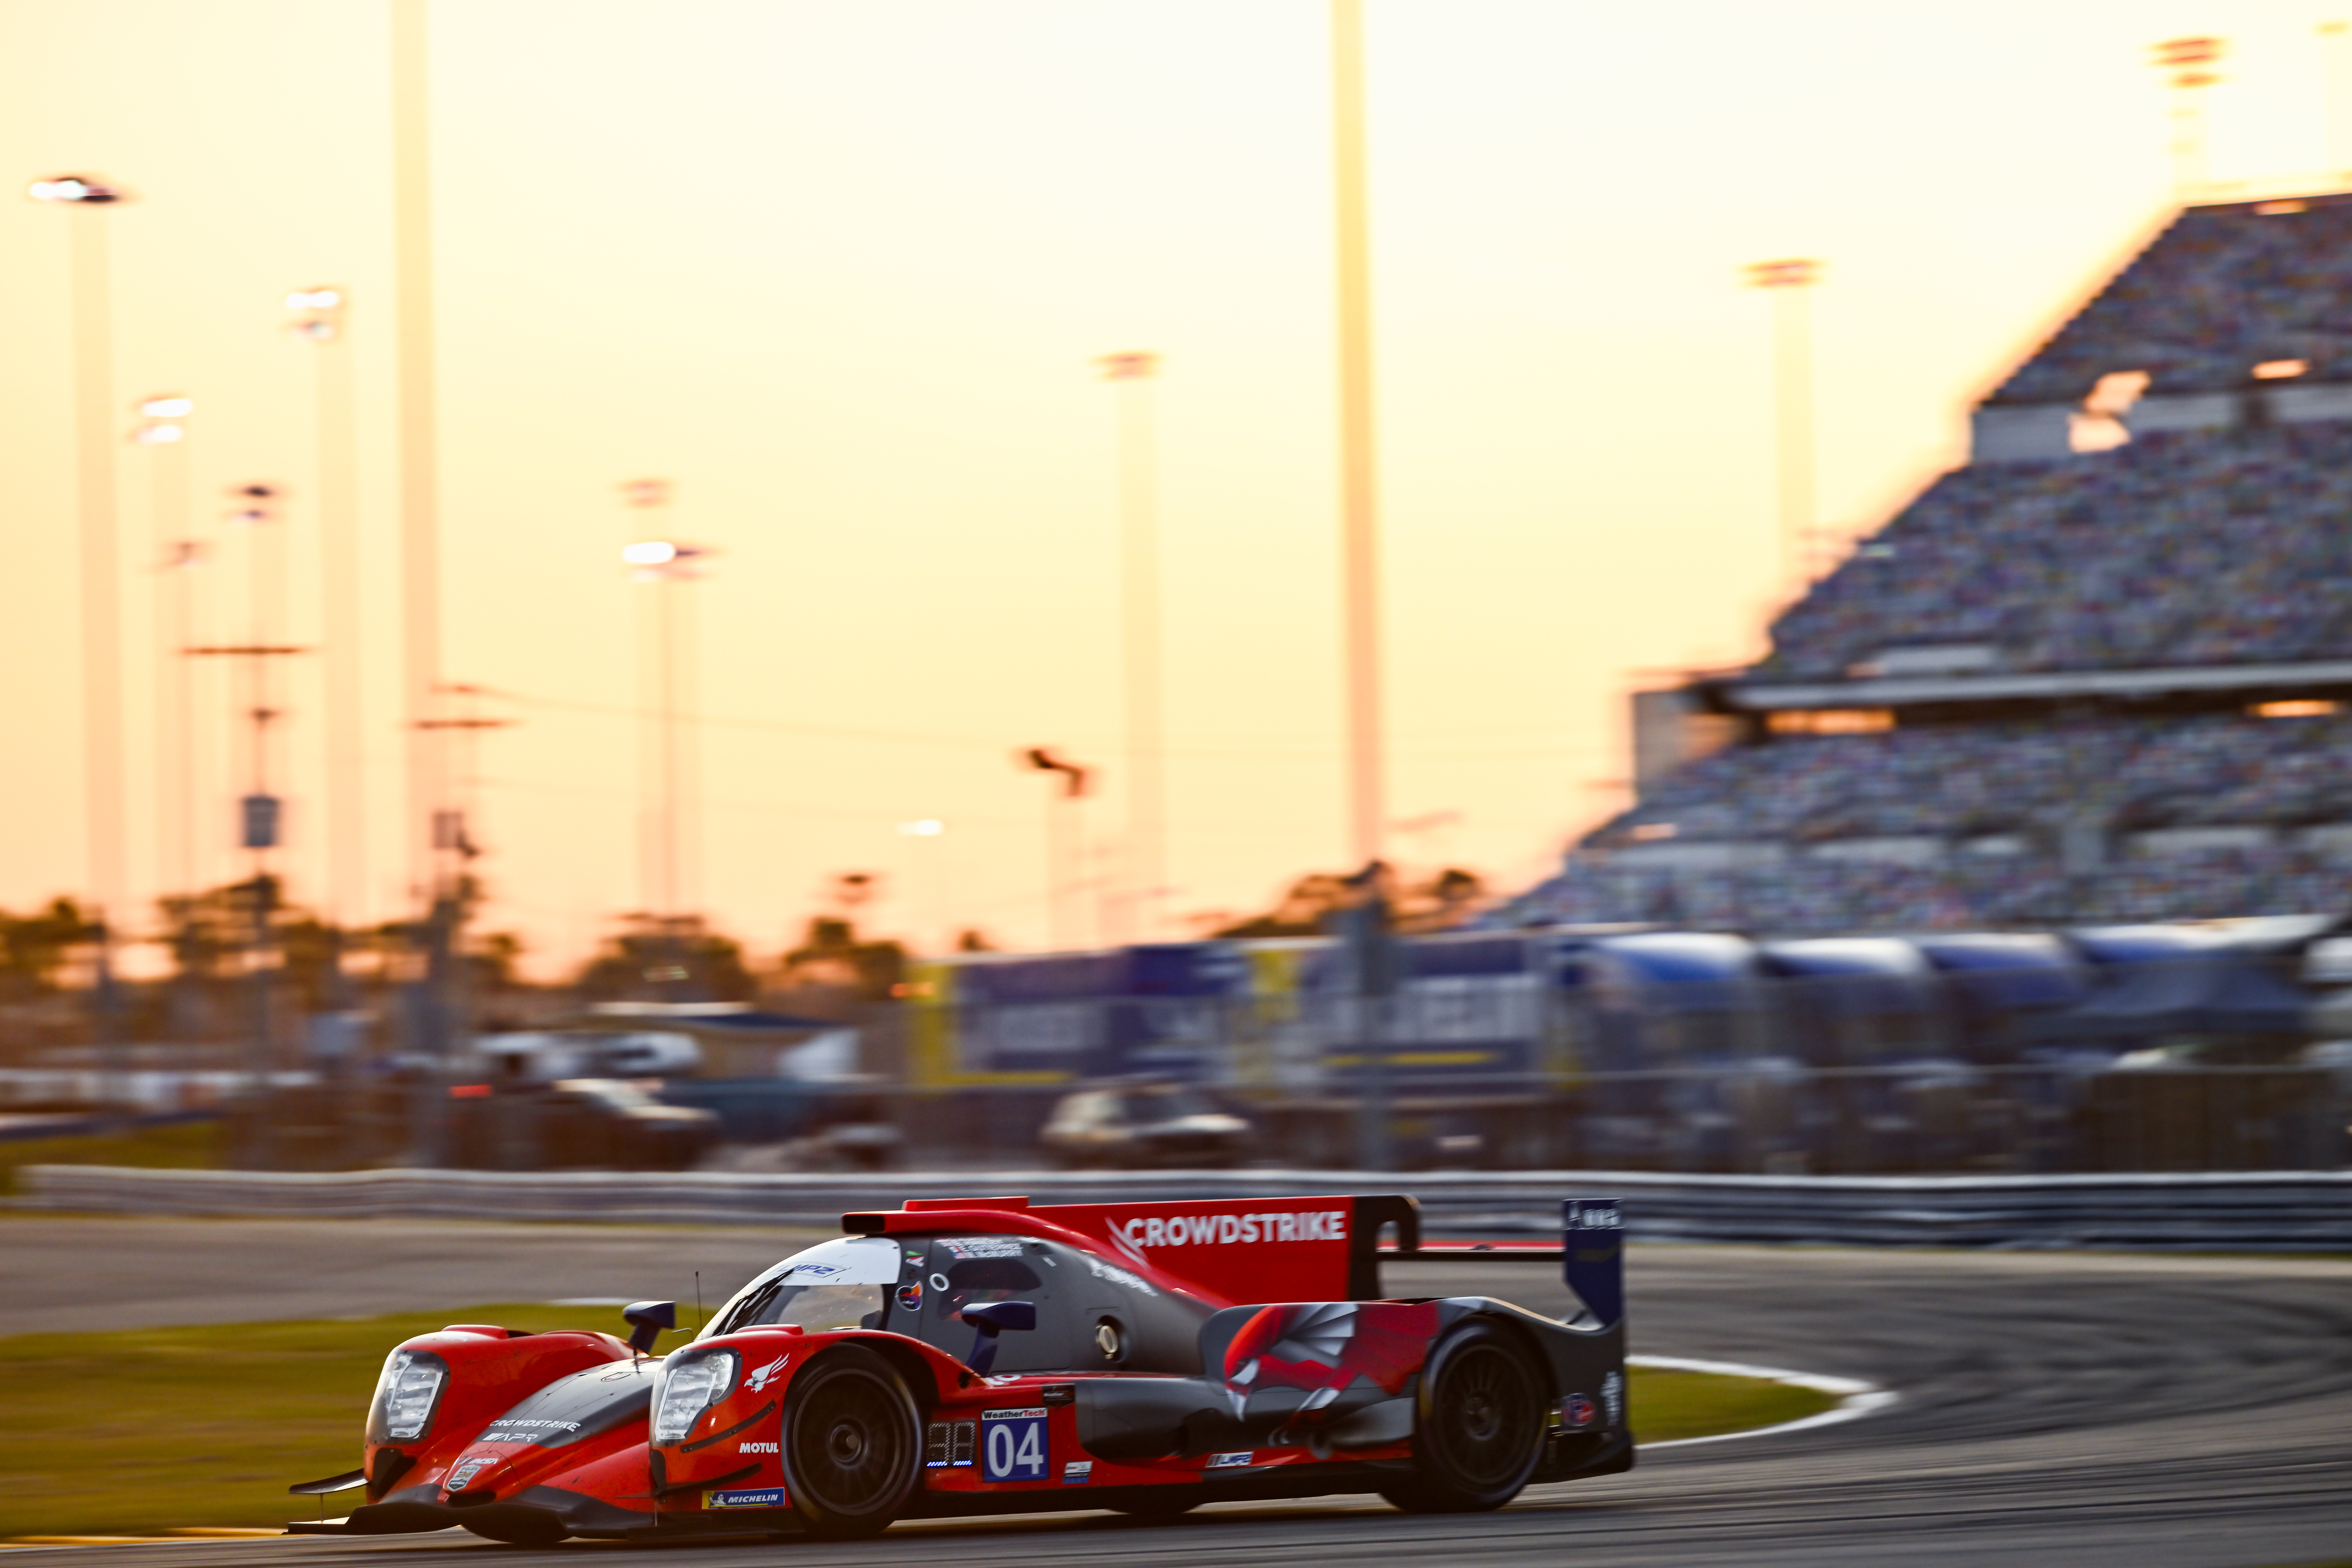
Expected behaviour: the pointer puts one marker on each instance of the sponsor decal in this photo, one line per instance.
(523, 1429)
(910, 1297)
(1077, 1472)
(1229, 1461)
(1233, 1230)
(814, 1273)
(983, 1246)
(1578, 1412)
(1117, 1276)
(752, 1497)
(1594, 1216)
(1059, 1393)
(1012, 1444)
(1329, 1345)
(758, 1380)
(757, 1448)
(466, 1470)
(1613, 1395)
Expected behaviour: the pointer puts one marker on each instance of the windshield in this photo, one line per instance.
(839, 1284)
(816, 1308)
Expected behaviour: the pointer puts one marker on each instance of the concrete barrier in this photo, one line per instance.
(2229, 1211)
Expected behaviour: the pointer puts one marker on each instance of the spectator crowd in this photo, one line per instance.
(2222, 290)
(2222, 547)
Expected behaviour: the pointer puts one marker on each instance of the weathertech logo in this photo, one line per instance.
(1235, 1229)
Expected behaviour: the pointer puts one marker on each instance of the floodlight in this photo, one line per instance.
(80, 188)
(649, 552)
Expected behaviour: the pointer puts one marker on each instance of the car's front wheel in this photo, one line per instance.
(853, 1444)
(1479, 1428)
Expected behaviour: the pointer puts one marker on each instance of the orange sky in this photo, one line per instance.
(839, 269)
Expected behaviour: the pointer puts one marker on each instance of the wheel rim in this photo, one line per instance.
(1487, 1413)
(849, 1445)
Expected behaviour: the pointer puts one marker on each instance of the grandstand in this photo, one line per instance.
(2103, 672)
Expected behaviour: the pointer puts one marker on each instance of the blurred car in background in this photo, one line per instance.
(595, 1122)
(608, 1123)
(1144, 1124)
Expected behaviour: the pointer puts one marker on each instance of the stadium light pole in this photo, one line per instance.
(2336, 67)
(932, 886)
(87, 200)
(1147, 778)
(318, 319)
(1359, 508)
(260, 816)
(1062, 836)
(420, 518)
(669, 852)
(163, 430)
(2188, 60)
(1789, 283)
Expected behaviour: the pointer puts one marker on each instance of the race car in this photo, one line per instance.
(983, 1355)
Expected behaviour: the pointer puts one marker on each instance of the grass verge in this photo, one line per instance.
(179, 1146)
(1672, 1405)
(145, 1430)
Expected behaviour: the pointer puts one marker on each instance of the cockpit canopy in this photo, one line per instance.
(1092, 1314)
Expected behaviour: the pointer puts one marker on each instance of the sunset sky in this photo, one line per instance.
(839, 270)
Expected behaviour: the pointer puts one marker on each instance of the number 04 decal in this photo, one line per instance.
(1012, 1444)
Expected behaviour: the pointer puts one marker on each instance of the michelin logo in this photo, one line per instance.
(763, 1497)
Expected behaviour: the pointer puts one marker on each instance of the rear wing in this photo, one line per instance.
(1590, 1252)
(1228, 1250)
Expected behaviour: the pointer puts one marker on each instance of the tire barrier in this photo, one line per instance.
(2293, 1211)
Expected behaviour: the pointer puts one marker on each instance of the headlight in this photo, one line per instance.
(690, 1388)
(407, 1391)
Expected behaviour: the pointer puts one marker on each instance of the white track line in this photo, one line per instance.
(1856, 1398)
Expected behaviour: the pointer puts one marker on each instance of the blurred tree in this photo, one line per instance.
(493, 956)
(34, 947)
(1440, 903)
(831, 957)
(667, 961)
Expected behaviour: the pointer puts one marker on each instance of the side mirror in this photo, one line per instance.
(992, 1321)
(647, 1321)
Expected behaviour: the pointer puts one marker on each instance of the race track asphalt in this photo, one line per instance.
(2072, 1410)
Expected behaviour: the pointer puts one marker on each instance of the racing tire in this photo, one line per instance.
(1478, 1424)
(853, 1444)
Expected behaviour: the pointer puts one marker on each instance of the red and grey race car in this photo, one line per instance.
(980, 1355)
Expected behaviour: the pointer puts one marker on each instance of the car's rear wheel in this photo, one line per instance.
(1479, 1426)
(853, 1444)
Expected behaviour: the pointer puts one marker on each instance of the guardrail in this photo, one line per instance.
(2292, 1211)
